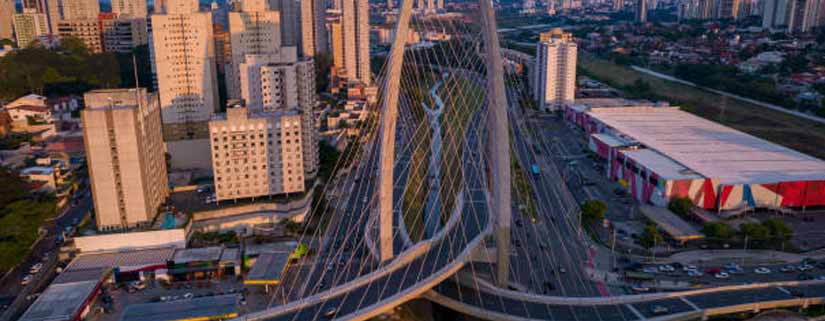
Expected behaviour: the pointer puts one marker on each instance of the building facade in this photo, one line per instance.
(555, 76)
(126, 157)
(183, 51)
(87, 30)
(28, 26)
(130, 8)
(313, 30)
(80, 9)
(256, 30)
(256, 154)
(7, 12)
(122, 34)
(355, 38)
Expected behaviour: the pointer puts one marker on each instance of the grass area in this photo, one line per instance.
(414, 198)
(19, 223)
(462, 98)
(797, 133)
(522, 191)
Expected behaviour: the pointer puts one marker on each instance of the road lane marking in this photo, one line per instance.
(691, 304)
(636, 312)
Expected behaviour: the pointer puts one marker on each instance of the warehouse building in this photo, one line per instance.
(660, 153)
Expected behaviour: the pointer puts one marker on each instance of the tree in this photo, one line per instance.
(13, 187)
(651, 237)
(680, 206)
(718, 230)
(777, 229)
(593, 211)
(754, 231)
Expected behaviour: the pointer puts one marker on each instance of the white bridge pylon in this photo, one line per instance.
(497, 125)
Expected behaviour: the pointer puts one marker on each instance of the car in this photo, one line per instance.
(688, 268)
(666, 268)
(26, 279)
(713, 270)
(721, 275)
(805, 267)
(735, 270)
(188, 295)
(762, 270)
(562, 270)
(138, 285)
(804, 277)
(659, 309)
(331, 313)
(694, 273)
(640, 289)
(731, 265)
(787, 268)
(650, 269)
(820, 277)
(36, 268)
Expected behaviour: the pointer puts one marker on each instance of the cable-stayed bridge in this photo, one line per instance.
(418, 211)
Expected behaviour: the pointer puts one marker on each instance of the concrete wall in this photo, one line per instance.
(134, 240)
(190, 154)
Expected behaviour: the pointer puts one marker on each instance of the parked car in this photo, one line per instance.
(26, 279)
(659, 309)
(36, 268)
(721, 275)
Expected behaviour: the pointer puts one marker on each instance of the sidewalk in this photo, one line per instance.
(750, 257)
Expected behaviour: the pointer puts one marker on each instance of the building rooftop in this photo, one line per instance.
(135, 258)
(205, 308)
(268, 268)
(197, 255)
(711, 149)
(672, 224)
(661, 165)
(610, 140)
(60, 301)
(77, 275)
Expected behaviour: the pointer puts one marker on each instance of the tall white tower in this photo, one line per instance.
(555, 81)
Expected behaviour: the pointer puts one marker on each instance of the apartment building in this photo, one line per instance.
(87, 30)
(255, 30)
(555, 82)
(184, 57)
(122, 34)
(29, 25)
(256, 154)
(126, 157)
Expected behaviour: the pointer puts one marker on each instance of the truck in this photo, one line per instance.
(535, 169)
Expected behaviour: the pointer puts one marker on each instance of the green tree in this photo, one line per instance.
(651, 237)
(593, 211)
(718, 230)
(680, 206)
(754, 231)
(777, 229)
(13, 187)
(73, 46)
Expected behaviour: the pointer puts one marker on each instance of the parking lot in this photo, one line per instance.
(122, 296)
(734, 273)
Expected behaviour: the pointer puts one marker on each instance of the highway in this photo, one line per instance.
(353, 299)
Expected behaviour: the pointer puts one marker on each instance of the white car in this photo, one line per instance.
(721, 275)
(650, 269)
(694, 273)
(666, 268)
(36, 268)
(26, 279)
(688, 268)
(788, 268)
(762, 270)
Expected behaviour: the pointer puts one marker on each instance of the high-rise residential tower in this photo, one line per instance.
(356, 41)
(255, 30)
(7, 11)
(29, 25)
(775, 13)
(80, 9)
(313, 31)
(125, 154)
(641, 11)
(555, 76)
(129, 8)
(185, 65)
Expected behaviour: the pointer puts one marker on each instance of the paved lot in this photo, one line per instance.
(154, 291)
